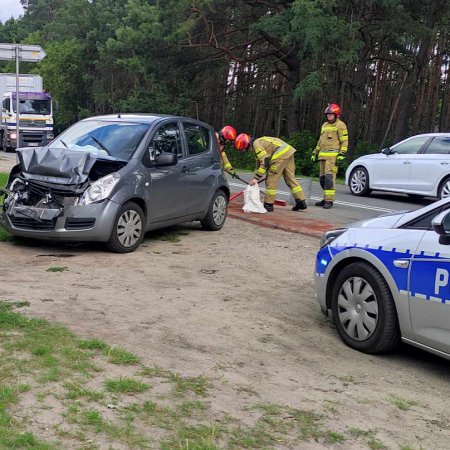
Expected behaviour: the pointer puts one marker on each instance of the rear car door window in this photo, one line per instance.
(439, 146)
(167, 139)
(197, 138)
(410, 147)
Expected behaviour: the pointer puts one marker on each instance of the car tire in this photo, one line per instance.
(444, 188)
(363, 309)
(359, 182)
(128, 230)
(217, 212)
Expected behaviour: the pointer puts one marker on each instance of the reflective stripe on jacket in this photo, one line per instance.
(268, 150)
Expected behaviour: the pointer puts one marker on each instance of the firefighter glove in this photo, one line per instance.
(233, 173)
(341, 157)
(313, 157)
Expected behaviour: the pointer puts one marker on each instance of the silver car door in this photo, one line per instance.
(429, 293)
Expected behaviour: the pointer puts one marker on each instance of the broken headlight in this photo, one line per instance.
(100, 189)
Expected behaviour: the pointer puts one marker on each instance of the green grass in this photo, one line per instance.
(125, 385)
(376, 444)
(57, 269)
(124, 411)
(402, 403)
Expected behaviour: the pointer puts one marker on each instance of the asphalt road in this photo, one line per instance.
(347, 207)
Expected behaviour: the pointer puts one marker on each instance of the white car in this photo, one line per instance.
(418, 166)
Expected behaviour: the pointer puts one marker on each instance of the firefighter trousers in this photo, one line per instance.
(328, 171)
(285, 168)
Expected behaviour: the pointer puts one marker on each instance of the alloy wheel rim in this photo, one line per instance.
(219, 210)
(357, 307)
(446, 190)
(129, 228)
(358, 181)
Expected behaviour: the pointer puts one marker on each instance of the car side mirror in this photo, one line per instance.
(441, 226)
(386, 151)
(165, 160)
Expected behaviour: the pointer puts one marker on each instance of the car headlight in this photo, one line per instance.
(100, 189)
(328, 237)
(50, 136)
(13, 136)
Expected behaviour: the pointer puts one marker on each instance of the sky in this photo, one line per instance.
(10, 8)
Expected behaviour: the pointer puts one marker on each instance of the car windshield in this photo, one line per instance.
(115, 139)
(32, 106)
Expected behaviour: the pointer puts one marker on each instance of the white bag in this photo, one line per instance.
(252, 200)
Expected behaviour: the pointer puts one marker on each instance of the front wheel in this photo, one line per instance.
(128, 231)
(359, 182)
(364, 310)
(217, 212)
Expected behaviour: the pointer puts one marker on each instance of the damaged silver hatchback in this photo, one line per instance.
(112, 178)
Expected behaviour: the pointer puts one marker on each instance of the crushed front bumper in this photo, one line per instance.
(69, 223)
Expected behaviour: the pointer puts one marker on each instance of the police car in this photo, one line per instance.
(387, 279)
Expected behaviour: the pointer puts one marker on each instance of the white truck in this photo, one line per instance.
(35, 112)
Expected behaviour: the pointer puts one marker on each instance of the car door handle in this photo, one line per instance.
(406, 162)
(444, 163)
(185, 169)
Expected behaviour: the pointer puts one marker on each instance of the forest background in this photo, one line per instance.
(265, 67)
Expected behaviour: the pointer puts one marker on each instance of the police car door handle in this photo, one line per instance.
(401, 263)
(406, 162)
(444, 163)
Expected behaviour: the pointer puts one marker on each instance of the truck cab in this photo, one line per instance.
(35, 112)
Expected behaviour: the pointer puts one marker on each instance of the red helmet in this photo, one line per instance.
(333, 109)
(227, 133)
(242, 142)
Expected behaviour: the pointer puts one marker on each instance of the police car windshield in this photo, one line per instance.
(115, 139)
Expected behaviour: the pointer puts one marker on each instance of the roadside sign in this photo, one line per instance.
(29, 53)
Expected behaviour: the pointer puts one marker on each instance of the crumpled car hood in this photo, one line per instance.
(60, 165)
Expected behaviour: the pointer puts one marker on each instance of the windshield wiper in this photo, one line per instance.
(63, 143)
(100, 144)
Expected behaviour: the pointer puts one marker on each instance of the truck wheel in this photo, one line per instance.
(364, 310)
(217, 212)
(128, 231)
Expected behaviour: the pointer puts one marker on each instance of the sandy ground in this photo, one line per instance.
(237, 306)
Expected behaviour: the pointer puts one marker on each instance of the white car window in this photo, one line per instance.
(411, 146)
(439, 146)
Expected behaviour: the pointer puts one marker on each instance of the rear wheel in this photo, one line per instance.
(444, 188)
(359, 182)
(128, 231)
(364, 310)
(217, 212)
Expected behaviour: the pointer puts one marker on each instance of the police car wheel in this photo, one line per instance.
(359, 182)
(364, 310)
(444, 189)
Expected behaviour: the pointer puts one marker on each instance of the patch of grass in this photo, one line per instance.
(201, 437)
(92, 344)
(409, 447)
(197, 385)
(333, 437)
(120, 356)
(125, 385)
(173, 236)
(57, 269)
(5, 236)
(402, 403)
(376, 444)
(247, 390)
(76, 392)
(357, 432)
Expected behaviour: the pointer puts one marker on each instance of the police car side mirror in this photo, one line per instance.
(441, 225)
(386, 151)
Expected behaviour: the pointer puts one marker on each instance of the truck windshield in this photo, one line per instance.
(116, 139)
(30, 106)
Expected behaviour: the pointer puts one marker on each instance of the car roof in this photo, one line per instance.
(427, 134)
(144, 118)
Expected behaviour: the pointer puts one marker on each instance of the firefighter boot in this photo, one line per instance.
(299, 204)
(327, 205)
(269, 207)
(321, 203)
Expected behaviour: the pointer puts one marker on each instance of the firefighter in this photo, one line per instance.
(331, 148)
(227, 133)
(275, 158)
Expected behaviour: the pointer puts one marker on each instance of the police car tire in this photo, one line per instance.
(387, 333)
(366, 190)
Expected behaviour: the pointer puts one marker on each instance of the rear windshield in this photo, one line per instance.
(116, 139)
